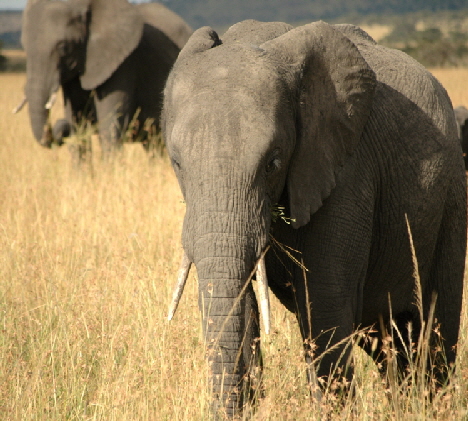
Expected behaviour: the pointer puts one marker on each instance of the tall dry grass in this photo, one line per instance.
(87, 264)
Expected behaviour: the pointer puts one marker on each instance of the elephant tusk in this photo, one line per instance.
(181, 279)
(262, 281)
(51, 101)
(20, 106)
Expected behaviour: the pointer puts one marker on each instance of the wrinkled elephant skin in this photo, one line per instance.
(352, 140)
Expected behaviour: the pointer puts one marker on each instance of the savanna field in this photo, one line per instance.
(87, 265)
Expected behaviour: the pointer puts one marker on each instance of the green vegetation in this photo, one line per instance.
(434, 39)
(431, 47)
(11, 61)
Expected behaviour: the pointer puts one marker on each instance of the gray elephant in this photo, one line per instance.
(352, 140)
(461, 115)
(61, 130)
(56, 135)
(119, 51)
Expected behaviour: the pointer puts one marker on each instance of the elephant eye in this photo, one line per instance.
(273, 165)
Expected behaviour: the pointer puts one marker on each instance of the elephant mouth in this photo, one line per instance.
(262, 281)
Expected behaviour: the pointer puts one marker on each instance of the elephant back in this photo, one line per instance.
(405, 75)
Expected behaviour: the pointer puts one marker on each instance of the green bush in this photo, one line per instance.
(431, 47)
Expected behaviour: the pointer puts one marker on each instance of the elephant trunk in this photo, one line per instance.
(224, 237)
(41, 94)
(39, 116)
(231, 330)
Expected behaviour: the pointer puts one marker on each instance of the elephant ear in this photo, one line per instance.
(335, 90)
(115, 30)
(201, 40)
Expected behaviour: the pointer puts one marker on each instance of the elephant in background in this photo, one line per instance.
(461, 115)
(120, 52)
(355, 142)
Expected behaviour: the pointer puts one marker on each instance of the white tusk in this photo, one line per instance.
(51, 101)
(181, 279)
(20, 106)
(262, 282)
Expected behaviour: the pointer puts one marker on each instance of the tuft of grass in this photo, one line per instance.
(277, 212)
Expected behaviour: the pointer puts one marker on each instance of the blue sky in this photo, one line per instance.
(19, 4)
(12, 4)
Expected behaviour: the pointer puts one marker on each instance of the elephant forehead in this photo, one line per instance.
(227, 102)
(226, 69)
(221, 103)
(237, 115)
(203, 133)
(46, 15)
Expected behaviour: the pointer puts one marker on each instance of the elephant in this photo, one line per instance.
(56, 134)
(355, 146)
(111, 59)
(461, 115)
(61, 130)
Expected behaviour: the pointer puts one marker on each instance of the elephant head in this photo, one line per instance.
(66, 40)
(267, 114)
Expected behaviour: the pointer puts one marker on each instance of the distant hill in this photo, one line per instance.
(435, 32)
(222, 13)
(10, 28)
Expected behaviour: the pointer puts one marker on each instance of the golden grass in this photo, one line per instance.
(87, 265)
(455, 82)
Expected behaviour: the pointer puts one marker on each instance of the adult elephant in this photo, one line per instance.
(353, 140)
(461, 115)
(119, 51)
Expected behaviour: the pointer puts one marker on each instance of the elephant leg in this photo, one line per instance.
(447, 275)
(400, 346)
(80, 115)
(327, 295)
(115, 107)
(113, 117)
(464, 142)
(325, 333)
(440, 250)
